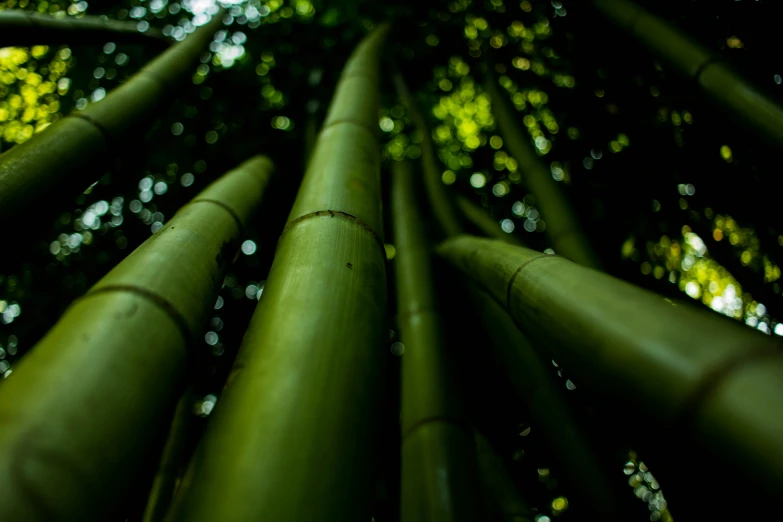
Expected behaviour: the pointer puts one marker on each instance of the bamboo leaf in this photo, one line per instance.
(291, 438)
(80, 411)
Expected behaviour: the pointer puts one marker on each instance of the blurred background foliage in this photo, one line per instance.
(674, 196)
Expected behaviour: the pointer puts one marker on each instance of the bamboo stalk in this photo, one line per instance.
(722, 84)
(68, 155)
(562, 226)
(697, 375)
(483, 222)
(534, 386)
(499, 486)
(82, 408)
(21, 28)
(441, 202)
(292, 435)
(438, 457)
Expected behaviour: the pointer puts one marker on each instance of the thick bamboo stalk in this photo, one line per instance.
(481, 219)
(697, 375)
(80, 411)
(534, 386)
(562, 227)
(292, 435)
(438, 456)
(21, 28)
(508, 505)
(68, 156)
(443, 208)
(172, 461)
(722, 84)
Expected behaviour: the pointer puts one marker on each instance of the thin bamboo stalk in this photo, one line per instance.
(292, 435)
(481, 219)
(80, 411)
(441, 202)
(562, 226)
(499, 486)
(722, 84)
(438, 456)
(21, 28)
(68, 155)
(534, 386)
(697, 375)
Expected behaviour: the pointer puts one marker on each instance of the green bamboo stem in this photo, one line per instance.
(483, 222)
(292, 436)
(562, 227)
(172, 461)
(696, 374)
(722, 84)
(80, 411)
(499, 486)
(440, 200)
(438, 458)
(534, 386)
(68, 156)
(21, 28)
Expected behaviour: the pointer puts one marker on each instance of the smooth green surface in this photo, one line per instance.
(80, 411)
(438, 459)
(562, 227)
(292, 434)
(681, 366)
(68, 155)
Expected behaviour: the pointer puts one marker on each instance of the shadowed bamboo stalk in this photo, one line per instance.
(440, 200)
(21, 28)
(68, 156)
(562, 226)
(723, 85)
(81, 409)
(697, 375)
(438, 457)
(534, 386)
(481, 219)
(292, 436)
(498, 485)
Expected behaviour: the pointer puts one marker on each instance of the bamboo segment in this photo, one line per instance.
(481, 219)
(438, 457)
(66, 157)
(725, 86)
(534, 386)
(81, 410)
(21, 28)
(695, 373)
(442, 205)
(499, 485)
(562, 226)
(292, 436)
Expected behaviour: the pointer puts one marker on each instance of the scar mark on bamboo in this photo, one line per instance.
(517, 272)
(349, 265)
(338, 214)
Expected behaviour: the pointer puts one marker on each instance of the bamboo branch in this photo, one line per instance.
(499, 486)
(722, 84)
(562, 226)
(21, 28)
(81, 410)
(438, 455)
(698, 376)
(68, 156)
(292, 437)
(483, 222)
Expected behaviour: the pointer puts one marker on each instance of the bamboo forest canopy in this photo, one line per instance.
(675, 193)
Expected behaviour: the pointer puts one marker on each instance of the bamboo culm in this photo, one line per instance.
(439, 474)
(562, 227)
(69, 154)
(722, 84)
(82, 409)
(698, 376)
(291, 438)
(20, 28)
(499, 488)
